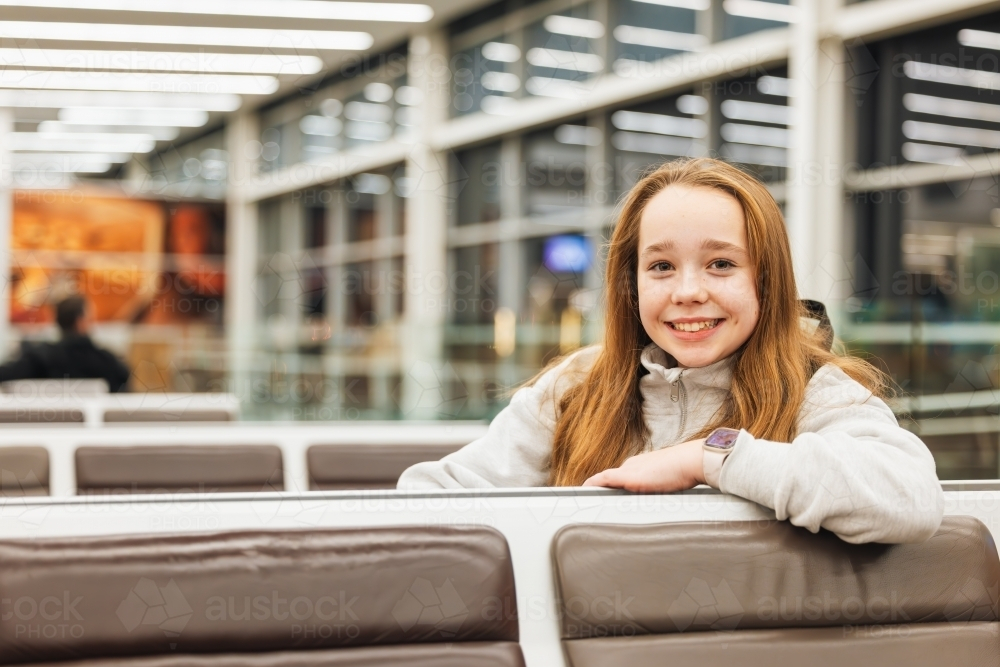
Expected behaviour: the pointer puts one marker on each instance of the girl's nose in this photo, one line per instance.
(690, 288)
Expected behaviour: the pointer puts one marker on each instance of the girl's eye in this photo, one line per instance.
(662, 266)
(722, 264)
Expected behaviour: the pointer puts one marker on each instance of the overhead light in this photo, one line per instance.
(164, 133)
(958, 76)
(657, 144)
(126, 116)
(758, 9)
(368, 130)
(979, 39)
(243, 84)
(378, 92)
(297, 9)
(365, 111)
(755, 134)
(697, 5)
(266, 38)
(501, 52)
(496, 105)
(152, 61)
(775, 85)
(660, 39)
(946, 106)
(503, 82)
(931, 153)
(113, 158)
(659, 123)
(578, 135)
(778, 114)
(567, 60)
(82, 143)
(574, 27)
(951, 134)
(58, 99)
(320, 126)
(543, 86)
(695, 105)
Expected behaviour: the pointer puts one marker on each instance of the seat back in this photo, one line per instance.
(24, 471)
(333, 467)
(409, 595)
(770, 592)
(179, 468)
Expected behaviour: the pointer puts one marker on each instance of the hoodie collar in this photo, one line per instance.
(662, 365)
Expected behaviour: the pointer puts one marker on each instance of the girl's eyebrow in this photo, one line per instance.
(707, 244)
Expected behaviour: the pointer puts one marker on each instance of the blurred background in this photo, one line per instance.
(374, 211)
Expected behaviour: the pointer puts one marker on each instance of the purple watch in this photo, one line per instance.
(717, 448)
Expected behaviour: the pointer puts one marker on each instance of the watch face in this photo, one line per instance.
(722, 438)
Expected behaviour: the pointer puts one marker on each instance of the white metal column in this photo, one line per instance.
(425, 252)
(802, 155)
(241, 250)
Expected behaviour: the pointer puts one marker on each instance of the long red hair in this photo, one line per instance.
(600, 422)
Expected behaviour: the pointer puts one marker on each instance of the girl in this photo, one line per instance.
(705, 375)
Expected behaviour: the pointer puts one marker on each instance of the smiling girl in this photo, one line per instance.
(706, 375)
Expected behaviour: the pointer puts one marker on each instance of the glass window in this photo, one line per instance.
(556, 170)
(745, 18)
(478, 178)
(474, 284)
(754, 119)
(562, 51)
(649, 134)
(646, 32)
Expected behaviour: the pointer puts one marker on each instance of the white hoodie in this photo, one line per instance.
(852, 469)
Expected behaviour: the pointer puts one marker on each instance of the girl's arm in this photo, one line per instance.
(516, 450)
(851, 470)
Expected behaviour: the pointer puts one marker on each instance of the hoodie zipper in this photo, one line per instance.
(679, 393)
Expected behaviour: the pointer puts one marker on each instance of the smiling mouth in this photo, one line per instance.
(692, 327)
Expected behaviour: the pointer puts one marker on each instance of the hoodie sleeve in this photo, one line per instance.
(517, 448)
(852, 469)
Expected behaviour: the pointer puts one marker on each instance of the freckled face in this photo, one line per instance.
(697, 289)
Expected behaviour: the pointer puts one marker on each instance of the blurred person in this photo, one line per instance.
(73, 357)
(706, 375)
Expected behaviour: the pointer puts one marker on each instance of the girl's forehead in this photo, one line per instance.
(682, 213)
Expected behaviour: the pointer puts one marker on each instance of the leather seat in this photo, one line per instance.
(765, 593)
(179, 468)
(337, 467)
(411, 596)
(24, 471)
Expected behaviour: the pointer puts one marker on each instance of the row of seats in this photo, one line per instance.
(709, 594)
(212, 468)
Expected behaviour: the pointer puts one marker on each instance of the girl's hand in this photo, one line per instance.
(669, 469)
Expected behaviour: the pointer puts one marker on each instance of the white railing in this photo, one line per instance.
(50, 408)
(292, 438)
(527, 518)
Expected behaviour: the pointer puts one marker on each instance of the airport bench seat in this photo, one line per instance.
(372, 596)
(178, 468)
(24, 471)
(765, 593)
(346, 467)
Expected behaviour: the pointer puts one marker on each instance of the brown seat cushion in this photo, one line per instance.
(917, 645)
(167, 415)
(200, 468)
(469, 654)
(24, 471)
(254, 591)
(621, 580)
(40, 416)
(367, 466)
